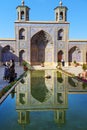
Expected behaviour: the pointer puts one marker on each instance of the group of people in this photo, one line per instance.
(9, 72)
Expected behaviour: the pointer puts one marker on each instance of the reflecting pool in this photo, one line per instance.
(39, 103)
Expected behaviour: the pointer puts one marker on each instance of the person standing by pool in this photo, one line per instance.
(63, 62)
(6, 71)
(12, 71)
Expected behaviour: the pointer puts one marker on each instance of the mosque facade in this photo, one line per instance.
(43, 41)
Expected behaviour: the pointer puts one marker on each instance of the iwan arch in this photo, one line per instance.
(43, 41)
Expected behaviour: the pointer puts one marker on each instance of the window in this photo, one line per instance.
(56, 16)
(60, 34)
(22, 34)
(22, 15)
(18, 15)
(27, 15)
(61, 16)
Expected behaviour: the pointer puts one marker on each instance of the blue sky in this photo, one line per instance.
(43, 10)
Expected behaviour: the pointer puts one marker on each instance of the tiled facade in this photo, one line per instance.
(43, 41)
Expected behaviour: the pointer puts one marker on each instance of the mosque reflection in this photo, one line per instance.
(37, 93)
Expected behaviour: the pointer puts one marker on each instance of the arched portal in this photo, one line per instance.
(39, 48)
(7, 53)
(21, 56)
(74, 54)
(60, 56)
(86, 57)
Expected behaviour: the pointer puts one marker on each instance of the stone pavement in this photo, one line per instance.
(73, 69)
(3, 83)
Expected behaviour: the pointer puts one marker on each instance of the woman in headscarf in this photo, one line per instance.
(12, 71)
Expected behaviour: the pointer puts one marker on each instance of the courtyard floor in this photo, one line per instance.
(74, 70)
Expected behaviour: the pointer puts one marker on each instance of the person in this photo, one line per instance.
(63, 63)
(6, 71)
(12, 71)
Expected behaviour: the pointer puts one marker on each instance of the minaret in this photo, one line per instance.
(61, 12)
(23, 12)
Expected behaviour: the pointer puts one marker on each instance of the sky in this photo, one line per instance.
(43, 10)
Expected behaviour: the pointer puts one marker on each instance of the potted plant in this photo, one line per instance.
(24, 63)
(42, 64)
(75, 63)
(84, 67)
(59, 65)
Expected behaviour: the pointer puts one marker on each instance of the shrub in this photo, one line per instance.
(74, 61)
(84, 85)
(26, 65)
(84, 66)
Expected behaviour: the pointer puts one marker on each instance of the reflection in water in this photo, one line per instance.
(13, 93)
(84, 85)
(60, 116)
(71, 82)
(21, 98)
(59, 77)
(60, 97)
(76, 85)
(23, 117)
(39, 89)
(38, 93)
(35, 93)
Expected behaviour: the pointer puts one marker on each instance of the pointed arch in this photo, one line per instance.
(7, 53)
(18, 16)
(60, 55)
(86, 57)
(61, 16)
(22, 34)
(22, 15)
(60, 34)
(21, 53)
(74, 54)
(56, 16)
(39, 43)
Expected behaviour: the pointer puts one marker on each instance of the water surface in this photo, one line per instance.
(56, 103)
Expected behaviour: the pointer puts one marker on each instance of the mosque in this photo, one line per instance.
(43, 41)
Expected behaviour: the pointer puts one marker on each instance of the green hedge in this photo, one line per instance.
(6, 88)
